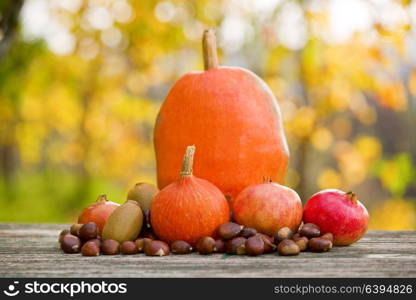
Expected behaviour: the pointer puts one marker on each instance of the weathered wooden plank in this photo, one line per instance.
(32, 250)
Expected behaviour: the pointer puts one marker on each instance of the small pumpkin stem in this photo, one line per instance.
(351, 196)
(188, 160)
(209, 48)
(102, 198)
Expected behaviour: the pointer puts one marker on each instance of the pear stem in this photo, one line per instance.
(352, 196)
(188, 160)
(209, 48)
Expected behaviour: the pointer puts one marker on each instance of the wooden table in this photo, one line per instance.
(31, 250)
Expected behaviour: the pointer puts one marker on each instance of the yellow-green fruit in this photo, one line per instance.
(125, 223)
(143, 193)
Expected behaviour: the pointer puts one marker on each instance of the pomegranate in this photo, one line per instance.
(98, 212)
(267, 207)
(339, 213)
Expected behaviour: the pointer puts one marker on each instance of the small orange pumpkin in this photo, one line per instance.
(188, 208)
(233, 119)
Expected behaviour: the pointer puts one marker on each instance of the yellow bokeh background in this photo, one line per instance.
(81, 82)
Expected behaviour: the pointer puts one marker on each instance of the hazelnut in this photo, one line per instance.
(62, 234)
(310, 230)
(319, 245)
(236, 246)
(110, 247)
(88, 231)
(128, 247)
(219, 246)
(71, 244)
(140, 244)
(254, 245)
(205, 245)
(90, 249)
(301, 241)
(180, 247)
(229, 230)
(288, 247)
(268, 243)
(328, 236)
(75, 229)
(282, 234)
(156, 248)
(248, 232)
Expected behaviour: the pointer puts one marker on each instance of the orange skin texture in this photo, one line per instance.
(333, 212)
(188, 209)
(267, 207)
(234, 121)
(97, 213)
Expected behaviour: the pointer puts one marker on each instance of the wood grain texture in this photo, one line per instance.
(31, 250)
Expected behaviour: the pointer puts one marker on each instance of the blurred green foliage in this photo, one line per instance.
(81, 82)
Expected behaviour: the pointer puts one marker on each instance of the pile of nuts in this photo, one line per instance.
(232, 239)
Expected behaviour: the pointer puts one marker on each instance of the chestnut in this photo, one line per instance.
(310, 230)
(180, 247)
(90, 248)
(219, 246)
(148, 234)
(156, 248)
(288, 247)
(319, 245)
(88, 231)
(282, 234)
(268, 243)
(254, 245)
(328, 236)
(229, 230)
(236, 246)
(110, 247)
(301, 241)
(205, 245)
(248, 232)
(97, 241)
(140, 244)
(128, 247)
(71, 244)
(74, 229)
(62, 234)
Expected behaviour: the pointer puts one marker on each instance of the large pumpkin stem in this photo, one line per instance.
(188, 160)
(209, 47)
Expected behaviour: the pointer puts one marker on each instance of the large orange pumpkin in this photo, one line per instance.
(231, 116)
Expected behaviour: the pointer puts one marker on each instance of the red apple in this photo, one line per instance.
(267, 207)
(339, 213)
